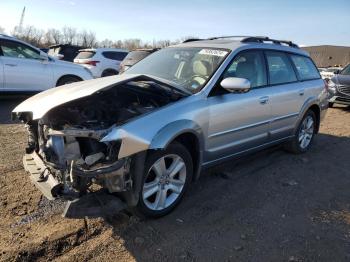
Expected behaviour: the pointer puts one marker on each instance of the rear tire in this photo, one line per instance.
(304, 136)
(109, 73)
(67, 80)
(166, 177)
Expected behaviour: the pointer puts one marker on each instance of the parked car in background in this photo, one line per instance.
(45, 50)
(64, 52)
(135, 56)
(101, 61)
(25, 68)
(146, 134)
(339, 87)
(328, 73)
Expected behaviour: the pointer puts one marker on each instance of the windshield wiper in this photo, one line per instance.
(167, 83)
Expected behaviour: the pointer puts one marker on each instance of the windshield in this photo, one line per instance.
(346, 70)
(189, 68)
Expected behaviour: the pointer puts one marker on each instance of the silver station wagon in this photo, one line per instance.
(140, 138)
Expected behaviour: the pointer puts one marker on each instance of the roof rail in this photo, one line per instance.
(263, 39)
(192, 40)
(246, 39)
(231, 36)
(5, 35)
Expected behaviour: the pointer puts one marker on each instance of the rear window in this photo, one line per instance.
(85, 54)
(54, 51)
(280, 68)
(137, 55)
(305, 67)
(118, 56)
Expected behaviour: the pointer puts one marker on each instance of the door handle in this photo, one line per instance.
(263, 100)
(301, 92)
(11, 65)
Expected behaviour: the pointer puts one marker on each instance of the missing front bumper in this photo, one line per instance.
(94, 204)
(36, 168)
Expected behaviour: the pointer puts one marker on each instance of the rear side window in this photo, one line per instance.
(305, 67)
(85, 54)
(137, 55)
(280, 69)
(119, 56)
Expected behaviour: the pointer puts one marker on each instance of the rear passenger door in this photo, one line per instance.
(288, 94)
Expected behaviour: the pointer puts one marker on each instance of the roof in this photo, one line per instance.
(105, 49)
(233, 43)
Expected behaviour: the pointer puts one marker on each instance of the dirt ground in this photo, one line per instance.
(271, 206)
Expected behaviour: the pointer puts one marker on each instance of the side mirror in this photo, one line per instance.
(43, 56)
(235, 84)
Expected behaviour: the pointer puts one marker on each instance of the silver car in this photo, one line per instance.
(145, 135)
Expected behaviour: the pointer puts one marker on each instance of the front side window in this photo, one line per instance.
(18, 50)
(187, 67)
(280, 68)
(306, 69)
(249, 65)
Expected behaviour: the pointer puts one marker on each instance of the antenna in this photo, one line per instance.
(20, 26)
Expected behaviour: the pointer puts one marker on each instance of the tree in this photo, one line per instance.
(87, 39)
(52, 37)
(69, 35)
(2, 30)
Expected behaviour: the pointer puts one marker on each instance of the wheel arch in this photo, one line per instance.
(68, 75)
(110, 69)
(186, 132)
(317, 111)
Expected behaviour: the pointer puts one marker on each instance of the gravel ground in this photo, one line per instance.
(271, 206)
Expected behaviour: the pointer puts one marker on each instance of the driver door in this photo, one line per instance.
(239, 121)
(23, 68)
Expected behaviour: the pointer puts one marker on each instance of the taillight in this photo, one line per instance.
(93, 63)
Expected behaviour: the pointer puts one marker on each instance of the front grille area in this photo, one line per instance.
(344, 89)
(343, 99)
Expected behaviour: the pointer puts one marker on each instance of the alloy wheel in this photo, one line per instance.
(164, 182)
(306, 132)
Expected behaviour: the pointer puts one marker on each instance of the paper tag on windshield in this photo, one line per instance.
(213, 52)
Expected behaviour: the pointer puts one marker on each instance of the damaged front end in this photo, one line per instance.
(67, 156)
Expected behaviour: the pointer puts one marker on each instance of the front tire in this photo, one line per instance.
(109, 73)
(304, 136)
(166, 177)
(67, 80)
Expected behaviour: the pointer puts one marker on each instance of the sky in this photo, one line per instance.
(305, 22)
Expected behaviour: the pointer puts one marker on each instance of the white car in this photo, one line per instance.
(101, 61)
(25, 68)
(328, 73)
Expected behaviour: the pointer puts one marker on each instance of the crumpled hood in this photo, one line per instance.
(43, 102)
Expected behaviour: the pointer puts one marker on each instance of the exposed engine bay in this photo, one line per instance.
(113, 106)
(67, 138)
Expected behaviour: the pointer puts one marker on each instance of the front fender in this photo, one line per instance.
(169, 132)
